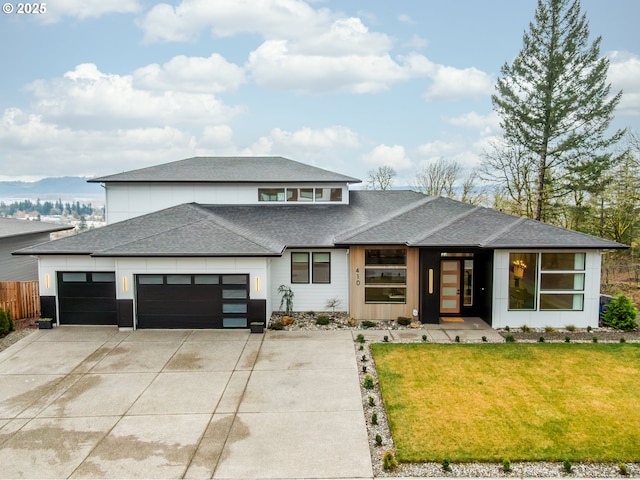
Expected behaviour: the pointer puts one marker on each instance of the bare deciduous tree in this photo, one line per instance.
(381, 178)
(438, 178)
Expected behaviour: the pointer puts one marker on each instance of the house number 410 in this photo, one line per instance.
(357, 276)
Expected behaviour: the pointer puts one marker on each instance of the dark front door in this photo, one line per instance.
(87, 298)
(192, 301)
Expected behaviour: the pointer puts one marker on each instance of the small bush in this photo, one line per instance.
(567, 339)
(509, 338)
(389, 461)
(571, 328)
(5, 326)
(589, 328)
(622, 469)
(484, 338)
(622, 314)
(457, 339)
(368, 324)
(525, 328)
(506, 329)
(549, 329)
(568, 468)
(368, 382)
(276, 326)
(323, 320)
(378, 439)
(363, 358)
(361, 347)
(364, 369)
(424, 338)
(360, 338)
(372, 402)
(385, 338)
(446, 465)
(404, 321)
(506, 466)
(541, 339)
(594, 339)
(623, 340)
(374, 419)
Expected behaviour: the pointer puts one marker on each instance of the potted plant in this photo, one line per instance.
(45, 323)
(287, 302)
(257, 327)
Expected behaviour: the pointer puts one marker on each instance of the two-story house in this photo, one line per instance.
(206, 242)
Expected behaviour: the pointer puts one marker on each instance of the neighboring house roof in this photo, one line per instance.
(371, 217)
(230, 170)
(12, 227)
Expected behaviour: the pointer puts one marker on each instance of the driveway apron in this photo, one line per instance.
(96, 402)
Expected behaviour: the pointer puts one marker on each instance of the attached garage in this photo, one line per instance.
(87, 298)
(192, 301)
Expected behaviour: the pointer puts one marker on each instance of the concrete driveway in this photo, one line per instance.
(95, 402)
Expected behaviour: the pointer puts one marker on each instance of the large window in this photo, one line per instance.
(546, 281)
(385, 275)
(316, 265)
(300, 194)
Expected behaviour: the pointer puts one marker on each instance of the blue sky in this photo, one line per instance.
(98, 87)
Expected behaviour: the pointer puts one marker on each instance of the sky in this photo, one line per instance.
(92, 88)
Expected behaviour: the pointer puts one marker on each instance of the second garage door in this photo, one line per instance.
(87, 298)
(192, 301)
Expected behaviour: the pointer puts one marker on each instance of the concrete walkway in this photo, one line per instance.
(95, 402)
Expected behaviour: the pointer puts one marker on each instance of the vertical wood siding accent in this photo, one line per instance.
(382, 311)
(22, 299)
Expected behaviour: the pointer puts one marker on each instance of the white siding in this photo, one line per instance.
(503, 317)
(50, 264)
(128, 200)
(312, 296)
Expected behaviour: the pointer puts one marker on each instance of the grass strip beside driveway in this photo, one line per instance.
(490, 402)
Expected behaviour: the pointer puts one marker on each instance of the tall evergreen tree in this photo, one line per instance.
(554, 102)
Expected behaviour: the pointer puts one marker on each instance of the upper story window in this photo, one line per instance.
(300, 194)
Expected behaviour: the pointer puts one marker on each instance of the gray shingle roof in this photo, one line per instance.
(230, 170)
(390, 217)
(12, 227)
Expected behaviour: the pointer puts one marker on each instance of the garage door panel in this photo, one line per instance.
(87, 298)
(96, 290)
(177, 307)
(88, 318)
(89, 305)
(179, 321)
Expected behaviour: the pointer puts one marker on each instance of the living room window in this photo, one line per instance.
(546, 281)
(385, 275)
(271, 194)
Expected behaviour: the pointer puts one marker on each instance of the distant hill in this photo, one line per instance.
(65, 188)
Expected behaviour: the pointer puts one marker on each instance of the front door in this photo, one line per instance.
(450, 286)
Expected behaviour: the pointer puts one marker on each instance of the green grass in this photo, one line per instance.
(529, 402)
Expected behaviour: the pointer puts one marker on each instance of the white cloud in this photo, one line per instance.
(86, 96)
(404, 18)
(624, 72)
(269, 18)
(487, 124)
(190, 74)
(450, 83)
(84, 9)
(304, 141)
(416, 42)
(394, 156)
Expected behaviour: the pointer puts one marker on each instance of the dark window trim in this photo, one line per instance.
(313, 269)
(308, 269)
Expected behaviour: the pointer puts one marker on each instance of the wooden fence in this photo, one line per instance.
(21, 298)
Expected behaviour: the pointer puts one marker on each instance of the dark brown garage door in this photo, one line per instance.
(192, 301)
(87, 298)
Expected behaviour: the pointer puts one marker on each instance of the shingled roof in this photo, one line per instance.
(230, 170)
(371, 217)
(13, 227)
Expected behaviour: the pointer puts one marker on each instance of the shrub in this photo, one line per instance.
(368, 324)
(594, 339)
(361, 347)
(389, 461)
(509, 338)
(506, 329)
(622, 469)
(567, 339)
(374, 419)
(567, 466)
(5, 326)
(424, 338)
(363, 358)
(323, 320)
(446, 465)
(457, 338)
(506, 466)
(372, 402)
(378, 439)
(484, 338)
(589, 328)
(385, 338)
(623, 340)
(549, 329)
(621, 314)
(525, 328)
(404, 321)
(541, 339)
(276, 326)
(360, 338)
(368, 382)
(364, 369)
(571, 328)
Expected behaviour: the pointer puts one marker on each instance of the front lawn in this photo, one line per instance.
(531, 402)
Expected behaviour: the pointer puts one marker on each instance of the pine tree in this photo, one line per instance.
(555, 103)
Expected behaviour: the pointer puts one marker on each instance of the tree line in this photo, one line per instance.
(46, 208)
